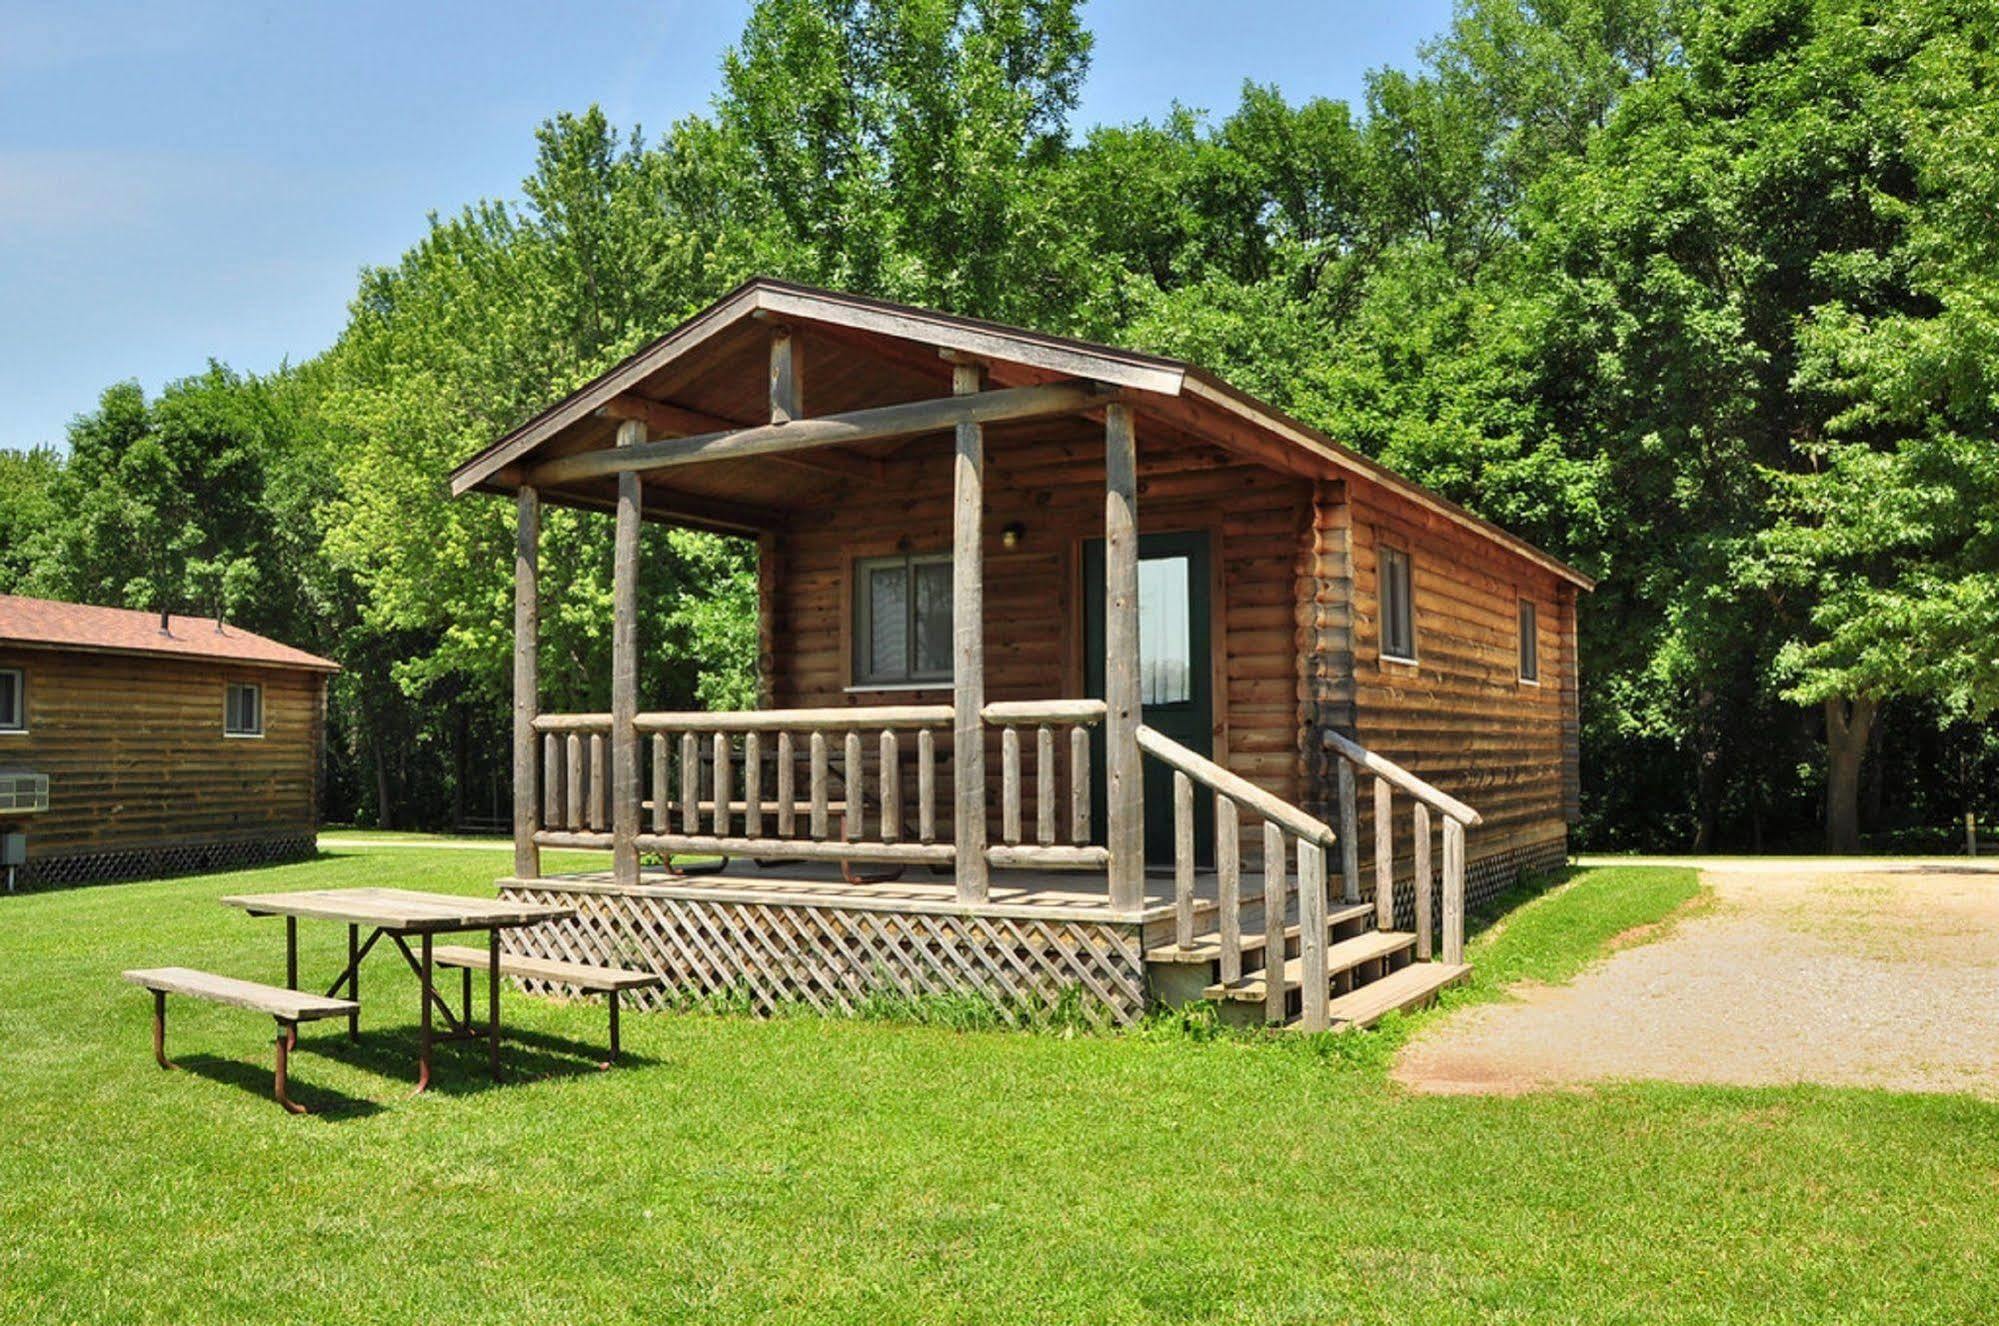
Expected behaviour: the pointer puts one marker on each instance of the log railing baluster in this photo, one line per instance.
(1419, 815)
(1010, 785)
(1312, 938)
(1183, 860)
(891, 787)
(722, 780)
(1384, 855)
(818, 786)
(753, 785)
(661, 788)
(926, 786)
(1044, 785)
(1079, 784)
(1228, 885)
(853, 823)
(690, 783)
(600, 784)
(1273, 922)
(1454, 890)
(787, 787)
(572, 782)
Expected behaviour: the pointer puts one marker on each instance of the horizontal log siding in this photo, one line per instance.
(1052, 484)
(1459, 716)
(135, 755)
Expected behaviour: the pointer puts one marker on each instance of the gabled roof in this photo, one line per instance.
(1191, 394)
(51, 624)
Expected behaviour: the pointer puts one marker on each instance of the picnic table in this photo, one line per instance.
(402, 914)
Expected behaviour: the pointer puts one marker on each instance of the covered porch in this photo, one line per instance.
(984, 816)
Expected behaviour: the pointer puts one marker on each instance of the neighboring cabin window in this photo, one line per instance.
(1530, 645)
(13, 700)
(902, 620)
(1398, 611)
(243, 710)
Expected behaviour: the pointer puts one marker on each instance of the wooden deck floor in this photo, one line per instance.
(1045, 894)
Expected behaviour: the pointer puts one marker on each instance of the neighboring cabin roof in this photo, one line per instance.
(1137, 372)
(51, 624)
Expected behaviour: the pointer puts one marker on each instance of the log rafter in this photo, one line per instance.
(876, 424)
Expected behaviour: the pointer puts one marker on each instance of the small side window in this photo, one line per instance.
(1530, 644)
(13, 700)
(1398, 608)
(243, 710)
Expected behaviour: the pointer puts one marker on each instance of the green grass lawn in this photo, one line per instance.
(816, 1170)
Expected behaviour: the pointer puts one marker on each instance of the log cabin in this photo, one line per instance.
(134, 744)
(1085, 679)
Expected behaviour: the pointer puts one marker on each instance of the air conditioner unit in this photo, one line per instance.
(22, 792)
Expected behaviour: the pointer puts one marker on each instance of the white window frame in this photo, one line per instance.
(231, 732)
(861, 623)
(1386, 561)
(18, 678)
(1527, 641)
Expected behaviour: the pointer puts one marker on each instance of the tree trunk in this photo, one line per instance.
(1846, 726)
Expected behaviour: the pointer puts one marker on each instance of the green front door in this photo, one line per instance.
(1176, 679)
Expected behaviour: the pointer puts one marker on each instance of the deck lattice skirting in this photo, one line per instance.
(835, 957)
(160, 862)
(1487, 876)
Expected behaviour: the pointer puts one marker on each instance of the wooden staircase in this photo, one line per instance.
(1310, 962)
(1370, 973)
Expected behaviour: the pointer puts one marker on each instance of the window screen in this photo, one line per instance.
(13, 701)
(243, 710)
(1530, 646)
(1398, 612)
(902, 620)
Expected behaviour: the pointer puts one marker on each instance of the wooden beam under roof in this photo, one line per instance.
(878, 424)
(665, 419)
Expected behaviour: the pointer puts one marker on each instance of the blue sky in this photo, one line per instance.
(193, 180)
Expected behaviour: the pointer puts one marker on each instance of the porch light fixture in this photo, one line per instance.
(1012, 533)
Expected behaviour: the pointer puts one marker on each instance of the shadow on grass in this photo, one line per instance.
(459, 1067)
(1525, 890)
(257, 1080)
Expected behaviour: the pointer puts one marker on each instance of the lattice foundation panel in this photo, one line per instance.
(1486, 877)
(170, 859)
(837, 958)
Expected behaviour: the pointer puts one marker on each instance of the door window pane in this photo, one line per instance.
(1165, 631)
(13, 710)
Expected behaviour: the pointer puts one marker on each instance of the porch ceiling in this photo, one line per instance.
(712, 375)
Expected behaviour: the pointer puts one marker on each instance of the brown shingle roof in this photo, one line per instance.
(47, 623)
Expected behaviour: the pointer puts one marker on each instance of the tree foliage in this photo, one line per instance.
(1702, 296)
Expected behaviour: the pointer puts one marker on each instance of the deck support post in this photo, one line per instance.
(968, 646)
(1124, 788)
(625, 670)
(527, 678)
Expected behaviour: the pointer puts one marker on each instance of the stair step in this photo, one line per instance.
(1346, 954)
(1208, 947)
(1408, 987)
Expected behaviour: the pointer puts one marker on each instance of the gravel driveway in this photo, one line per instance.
(1853, 972)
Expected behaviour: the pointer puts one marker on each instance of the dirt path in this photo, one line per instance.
(1849, 972)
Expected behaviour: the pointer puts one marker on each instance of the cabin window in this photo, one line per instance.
(1530, 646)
(902, 620)
(1398, 611)
(13, 700)
(243, 710)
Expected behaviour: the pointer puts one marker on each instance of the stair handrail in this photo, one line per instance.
(1457, 818)
(1381, 767)
(1313, 837)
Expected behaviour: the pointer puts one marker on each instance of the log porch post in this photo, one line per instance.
(527, 679)
(1123, 777)
(625, 671)
(968, 646)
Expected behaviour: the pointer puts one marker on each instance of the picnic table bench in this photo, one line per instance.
(607, 981)
(287, 1007)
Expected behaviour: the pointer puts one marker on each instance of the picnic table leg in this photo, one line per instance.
(291, 966)
(287, 1034)
(465, 992)
(354, 981)
(612, 996)
(160, 1029)
(423, 1034)
(492, 1001)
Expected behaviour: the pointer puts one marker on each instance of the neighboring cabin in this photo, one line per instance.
(167, 745)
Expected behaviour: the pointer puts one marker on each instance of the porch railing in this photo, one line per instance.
(1457, 816)
(1046, 718)
(839, 784)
